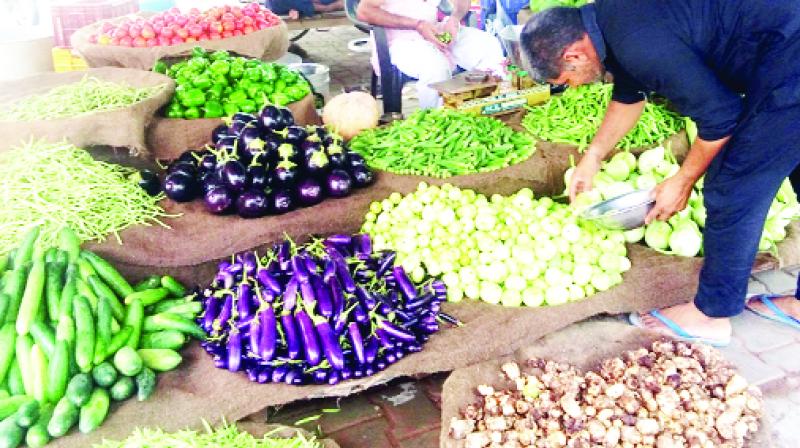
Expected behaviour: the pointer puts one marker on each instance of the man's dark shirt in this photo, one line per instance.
(702, 55)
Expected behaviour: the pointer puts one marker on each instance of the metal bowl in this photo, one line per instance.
(623, 212)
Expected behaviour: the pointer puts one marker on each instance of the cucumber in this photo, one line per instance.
(94, 412)
(85, 334)
(10, 405)
(27, 414)
(150, 282)
(65, 416)
(8, 336)
(170, 339)
(177, 289)
(148, 296)
(11, 434)
(15, 384)
(37, 435)
(105, 374)
(128, 362)
(160, 359)
(145, 384)
(123, 388)
(79, 389)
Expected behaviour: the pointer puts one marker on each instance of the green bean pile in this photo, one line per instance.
(85, 96)
(228, 436)
(56, 184)
(574, 117)
(443, 143)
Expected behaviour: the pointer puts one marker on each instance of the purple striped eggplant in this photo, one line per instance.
(254, 336)
(225, 313)
(268, 281)
(339, 240)
(268, 334)
(363, 245)
(404, 283)
(234, 350)
(244, 301)
(299, 269)
(385, 264)
(330, 344)
(290, 295)
(290, 332)
(308, 334)
(322, 294)
(311, 265)
(329, 272)
(357, 342)
(308, 295)
(384, 338)
(249, 263)
(211, 305)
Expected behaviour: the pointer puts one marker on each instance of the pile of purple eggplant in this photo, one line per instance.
(265, 164)
(321, 313)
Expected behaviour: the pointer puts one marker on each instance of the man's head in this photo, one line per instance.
(558, 50)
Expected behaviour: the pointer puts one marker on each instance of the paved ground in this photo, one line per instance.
(406, 413)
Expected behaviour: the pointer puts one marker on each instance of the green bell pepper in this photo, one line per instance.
(215, 91)
(253, 74)
(252, 63)
(280, 85)
(191, 113)
(220, 55)
(269, 73)
(174, 110)
(237, 69)
(197, 65)
(248, 106)
(212, 109)
(198, 52)
(230, 108)
(160, 67)
(295, 92)
(202, 82)
(220, 67)
(193, 98)
(237, 96)
(254, 90)
(280, 99)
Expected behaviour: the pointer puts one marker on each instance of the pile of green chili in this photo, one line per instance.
(574, 117)
(53, 185)
(227, 436)
(85, 96)
(443, 143)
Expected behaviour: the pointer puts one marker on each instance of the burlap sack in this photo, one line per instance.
(123, 127)
(584, 345)
(169, 137)
(268, 44)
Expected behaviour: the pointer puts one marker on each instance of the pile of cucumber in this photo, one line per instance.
(74, 335)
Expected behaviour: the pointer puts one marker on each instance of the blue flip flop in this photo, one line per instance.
(778, 314)
(678, 332)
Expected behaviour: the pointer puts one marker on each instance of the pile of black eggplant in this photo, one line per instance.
(321, 313)
(265, 164)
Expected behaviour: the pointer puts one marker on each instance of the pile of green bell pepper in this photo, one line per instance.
(217, 84)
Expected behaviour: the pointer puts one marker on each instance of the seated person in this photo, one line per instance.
(412, 28)
(303, 8)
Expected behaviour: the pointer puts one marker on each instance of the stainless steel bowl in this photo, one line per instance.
(624, 212)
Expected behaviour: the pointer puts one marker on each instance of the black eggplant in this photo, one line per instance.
(247, 135)
(286, 173)
(317, 164)
(309, 192)
(228, 144)
(252, 204)
(257, 177)
(210, 180)
(336, 155)
(362, 176)
(207, 163)
(180, 186)
(295, 135)
(288, 151)
(219, 132)
(281, 202)
(187, 156)
(286, 116)
(355, 159)
(309, 147)
(234, 175)
(183, 166)
(338, 183)
(218, 200)
(149, 182)
(270, 118)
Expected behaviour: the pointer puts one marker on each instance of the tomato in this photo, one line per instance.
(119, 33)
(229, 17)
(215, 27)
(164, 41)
(152, 42)
(115, 41)
(215, 36)
(262, 24)
(168, 31)
(248, 21)
(227, 34)
(177, 40)
(248, 29)
(106, 27)
(203, 37)
(148, 32)
(135, 31)
(195, 30)
(139, 42)
(181, 32)
(93, 39)
(204, 24)
(191, 39)
(126, 41)
(194, 12)
(228, 25)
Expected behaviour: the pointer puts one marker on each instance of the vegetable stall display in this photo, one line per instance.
(52, 185)
(217, 84)
(682, 234)
(443, 143)
(266, 165)
(503, 250)
(88, 95)
(574, 117)
(76, 335)
(320, 313)
(226, 436)
(172, 27)
(540, 5)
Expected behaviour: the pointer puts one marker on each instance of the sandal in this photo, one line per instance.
(777, 314)
(678, 332)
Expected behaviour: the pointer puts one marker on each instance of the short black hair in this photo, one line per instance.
(545, 37)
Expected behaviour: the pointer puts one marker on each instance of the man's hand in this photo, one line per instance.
(671, 197)
(428, 31)
(452, 26)
(581, 179)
